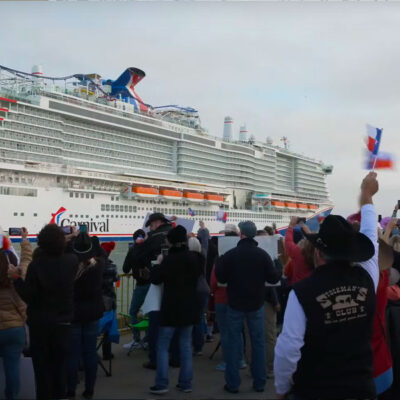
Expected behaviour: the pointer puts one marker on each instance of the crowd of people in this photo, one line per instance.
(333, 295)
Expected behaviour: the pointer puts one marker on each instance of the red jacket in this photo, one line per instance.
(382, 358)
(300, 269)
(219, 292)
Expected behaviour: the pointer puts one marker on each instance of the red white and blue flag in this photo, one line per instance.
(191, 212)
(222, 216)
(376, 159)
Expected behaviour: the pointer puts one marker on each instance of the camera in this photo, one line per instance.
(67, 229)
(83, 228)
(15, 231)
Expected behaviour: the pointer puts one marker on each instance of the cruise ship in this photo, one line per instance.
(86, 150)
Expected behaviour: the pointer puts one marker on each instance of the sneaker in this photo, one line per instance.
(209, 338)
(158, 390)
(230, 390)
(181, 389)
(87, 395)
(149, 365)
(221, 367)
(132, 345)
(243, 364)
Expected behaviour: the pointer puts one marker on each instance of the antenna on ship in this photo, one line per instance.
(285, 141)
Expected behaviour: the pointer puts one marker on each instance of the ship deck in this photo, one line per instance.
(130, 380)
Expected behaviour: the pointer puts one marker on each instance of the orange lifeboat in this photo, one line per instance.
(277, 204)
(301, 206)
(171, 194)
(214, 198)
(145, 191)
(312, 207)
(193, 196)
(291, 206)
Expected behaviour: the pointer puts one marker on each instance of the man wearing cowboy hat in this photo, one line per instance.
(324, 350)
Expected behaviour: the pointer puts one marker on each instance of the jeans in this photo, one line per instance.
(152, 335)
(12, 342)
(221, 312)
(198, 329)
(256, 326)
(50, 346)
(84, 342)
(270, 334)
(138, 296)
(185, 347)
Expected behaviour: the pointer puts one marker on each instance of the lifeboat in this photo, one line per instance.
(290, 205)
(302, 206)
(145, 191)
(277, 204)
(171, 194)
(193, 196)
(312, 207)
(214, 198)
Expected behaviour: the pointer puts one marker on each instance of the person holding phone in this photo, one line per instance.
(301, 254)
(12, 312)
(48, 292)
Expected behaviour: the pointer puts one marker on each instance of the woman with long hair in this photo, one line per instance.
(12, 312)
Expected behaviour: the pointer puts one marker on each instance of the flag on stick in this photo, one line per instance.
(376, 159)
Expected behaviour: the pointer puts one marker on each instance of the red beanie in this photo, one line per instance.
(108, 246)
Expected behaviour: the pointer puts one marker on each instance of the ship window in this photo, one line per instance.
(81, 216)
(76, 216)
(116, 216)
(92, 196)
(97, 216)
(112, 198)
(15, 214)
(22, 214)
(76, 195)
(87, 216)
(112, 207)
(87, 195)
(82, 195)
(103, 207)
(35, 214)
(71, 194)
(117, 198)
(126, 208)
(107, 207)
(130, 208)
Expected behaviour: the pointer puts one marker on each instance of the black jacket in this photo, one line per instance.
(110, 276)
(48, 289)
(245, 269)
(88, 294)
(179, 272)
(139, 256)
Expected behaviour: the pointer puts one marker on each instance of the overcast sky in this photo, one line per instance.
(314, 72)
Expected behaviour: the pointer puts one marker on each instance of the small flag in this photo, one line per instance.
(373, 139)
(191, 212)
(222, 216)
(382, 161)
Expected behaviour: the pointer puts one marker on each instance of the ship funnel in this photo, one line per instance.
(37, 70)
(124, 87)
(228, 129)
(243, 134)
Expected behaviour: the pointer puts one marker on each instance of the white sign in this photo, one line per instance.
(152, 301)
(267, 243)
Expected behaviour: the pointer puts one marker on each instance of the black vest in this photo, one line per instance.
(336, 359)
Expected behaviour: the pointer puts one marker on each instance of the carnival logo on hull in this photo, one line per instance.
(92, 226)
(55, 218)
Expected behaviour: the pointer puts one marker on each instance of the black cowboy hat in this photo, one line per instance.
(156, 217)
(337, 239)
(85, 247)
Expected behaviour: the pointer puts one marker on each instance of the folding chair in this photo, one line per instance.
(141, 326)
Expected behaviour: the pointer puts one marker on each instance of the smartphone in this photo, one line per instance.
(300, 220)
(15, 231)
(67, 229)
(83, 228)
(164, 252)
(379, 218)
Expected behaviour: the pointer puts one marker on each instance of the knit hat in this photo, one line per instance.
(248, 229)
(108, 247)
(177, 235)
